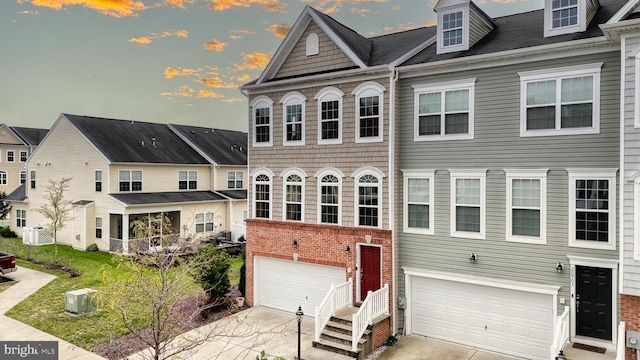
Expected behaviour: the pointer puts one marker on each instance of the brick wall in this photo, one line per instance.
(630, 314)
(381, 332)
(317, 244)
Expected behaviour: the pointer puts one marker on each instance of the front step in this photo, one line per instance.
(336, 337)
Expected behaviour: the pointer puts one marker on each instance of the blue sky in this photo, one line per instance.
(165, 61)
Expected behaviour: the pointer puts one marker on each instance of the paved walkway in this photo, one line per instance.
(29, 281)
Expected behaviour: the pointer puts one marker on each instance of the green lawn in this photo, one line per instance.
(44, 310)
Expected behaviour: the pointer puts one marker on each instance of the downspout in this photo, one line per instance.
(621, 237)
(393, 79)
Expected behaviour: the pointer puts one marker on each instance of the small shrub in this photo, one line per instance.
(234, 251)
(243, 280)
(92, 247)
(6, 231)
(212, 271)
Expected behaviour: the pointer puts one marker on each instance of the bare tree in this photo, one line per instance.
(56, 208)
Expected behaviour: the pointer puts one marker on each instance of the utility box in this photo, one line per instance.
(80, 302)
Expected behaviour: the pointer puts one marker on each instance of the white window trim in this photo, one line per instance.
(367, 89)
(581, 25)
(13, 152)
(442, 87)
(319, 175)
(368, 170)
(636, 113)
(131, 181)
(418, 174)
(235, 177)
(592, 174)
(534, 174)
(21, 214)
(481, 174)
(5, 174)
(188, 179)
(259, 103)
(636, 218)
(329, 94)
(99, 227)
(312, 45)
(23, 173)
(254, 175)
(293, 98)
(441, 49)
(558, 74)
(26, 155)
(286, 173)
(102, 182)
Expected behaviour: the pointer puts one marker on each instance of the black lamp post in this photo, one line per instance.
(299, 315)
(561, 356)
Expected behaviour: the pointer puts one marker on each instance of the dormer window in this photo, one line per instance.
(452, 29)
(568, 16)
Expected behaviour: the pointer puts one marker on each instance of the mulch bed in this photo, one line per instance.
(131, 344)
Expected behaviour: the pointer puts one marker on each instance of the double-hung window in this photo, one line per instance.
(98, 228)
(204, 222)
(293, 105)
(369, 197)
(293, 206)
(452, 29)
(329, 115)
(11, 156)
(21, 218)
(130, 180)
(562, 101)
(468, 203)
(329, 198)
(369, 112)
(187, 180)
(98, 180)
(526, 205)
(235, 179)
(418, 195)
(567, 16)
(3, 177)
(32, 179)
(262, 121)
(23, 176)
(444, 111)
(262, 195)
(592, 208)
(23, 156)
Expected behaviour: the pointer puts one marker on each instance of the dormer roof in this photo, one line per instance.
(461, 24)
(568, 16)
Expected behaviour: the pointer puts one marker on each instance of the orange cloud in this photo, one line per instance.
(144, 40)
(243, 31)
(183, 91)
(208, 94)
(27, 12)
(330, 6)
(363, 12)
(115, 8)
(233, 100)
(280, 30)
(243, 78)
(171, 72)
(178, 3)
(215, 45)
(216, 83)
(235, 37)
(266, 5)
(253, 61)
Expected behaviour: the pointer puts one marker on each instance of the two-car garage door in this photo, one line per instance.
(499, 319)
(285, 285)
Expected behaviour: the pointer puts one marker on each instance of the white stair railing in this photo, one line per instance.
(621, 346)
(339, 297)
(560, 333)
(376, 304)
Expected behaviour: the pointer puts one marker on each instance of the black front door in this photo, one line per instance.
(593, 302)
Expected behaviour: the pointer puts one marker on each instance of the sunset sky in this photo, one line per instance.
(166, 61)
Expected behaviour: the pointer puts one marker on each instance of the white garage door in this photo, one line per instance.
(285, 285)
(502, 320)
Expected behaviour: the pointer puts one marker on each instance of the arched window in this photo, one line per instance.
(262, 113)
(369, 112)
(294, 180)
(329, 115)
(329, 196)
(293, 105)
(23, 176)
(369, 196)
(262, 194)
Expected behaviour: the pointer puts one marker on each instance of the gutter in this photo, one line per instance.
(393, 79)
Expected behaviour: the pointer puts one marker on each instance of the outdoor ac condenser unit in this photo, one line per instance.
(80, 302)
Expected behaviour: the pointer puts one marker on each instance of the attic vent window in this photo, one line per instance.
(312, 44)
(452, 29)
(565, 13)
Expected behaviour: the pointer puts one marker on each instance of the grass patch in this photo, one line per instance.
(45, 309)
(6, 284)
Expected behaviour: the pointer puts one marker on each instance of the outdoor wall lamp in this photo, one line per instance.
(294, 243)
(299, 315)
(348, 249)
(559, 267)
(561, 356)
(473, 258)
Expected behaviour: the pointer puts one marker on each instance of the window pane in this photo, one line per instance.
(456, 123)
(418, 216)
(576, 115)
(418, 190)
(468, 191)
(429, 125)
(577, 89)
(526, 222)
(525, 193)
(182, 175)
(429, 103)
(541, 118)
(457, 100)
(541, 92)
(468, 219)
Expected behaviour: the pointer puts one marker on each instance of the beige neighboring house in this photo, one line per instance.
(16, 145)
(122, 171)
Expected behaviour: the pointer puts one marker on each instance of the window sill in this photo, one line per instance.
(592, 245)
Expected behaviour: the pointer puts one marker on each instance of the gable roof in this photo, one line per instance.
(520, 31)
(17, 195)
(364, 52)
(128, 141)
(234, 194)
(220, 147)
(30, 136)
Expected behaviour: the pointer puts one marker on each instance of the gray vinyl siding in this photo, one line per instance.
(496, 146)
(347, 157)
(330, 56)
(631, 277)
(477, 28)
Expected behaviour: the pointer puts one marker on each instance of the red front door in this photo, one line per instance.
(369, 270)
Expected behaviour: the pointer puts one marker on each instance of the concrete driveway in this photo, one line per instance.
(421, 348)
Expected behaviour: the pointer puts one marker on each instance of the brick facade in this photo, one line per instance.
(630, 314)
(317, 244)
